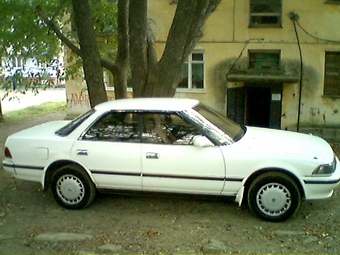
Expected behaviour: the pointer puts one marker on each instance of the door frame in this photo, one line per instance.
(236, 99)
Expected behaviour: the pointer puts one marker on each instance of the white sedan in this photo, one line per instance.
(173, 145)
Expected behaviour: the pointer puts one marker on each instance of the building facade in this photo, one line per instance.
(264, 63)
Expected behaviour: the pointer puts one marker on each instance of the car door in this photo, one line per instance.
(171, 163)
(111, 149)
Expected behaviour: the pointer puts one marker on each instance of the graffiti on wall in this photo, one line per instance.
(81, 100)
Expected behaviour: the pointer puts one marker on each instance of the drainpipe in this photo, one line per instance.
(295, 17)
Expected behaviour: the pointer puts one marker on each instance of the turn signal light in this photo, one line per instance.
(7, 153)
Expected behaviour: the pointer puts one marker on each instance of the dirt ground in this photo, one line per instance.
(32, 222)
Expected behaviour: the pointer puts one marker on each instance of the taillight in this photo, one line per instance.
(7, 153)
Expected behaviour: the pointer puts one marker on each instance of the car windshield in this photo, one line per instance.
(67, 129)
(217, 126)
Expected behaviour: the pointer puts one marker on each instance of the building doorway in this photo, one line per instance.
(256, 105)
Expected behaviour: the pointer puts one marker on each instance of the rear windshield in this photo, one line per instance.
(67, 129)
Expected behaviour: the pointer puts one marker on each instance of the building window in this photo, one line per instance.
(193, 72)
(264, 60)
(332, 2)
(264, 13)
(332, 74)
(17, 62)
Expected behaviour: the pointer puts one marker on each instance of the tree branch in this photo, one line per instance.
(110, 65)
(51, 25)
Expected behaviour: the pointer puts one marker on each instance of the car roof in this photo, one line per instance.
(149, 104)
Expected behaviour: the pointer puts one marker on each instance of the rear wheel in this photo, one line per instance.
(274, 196)
(72, 187)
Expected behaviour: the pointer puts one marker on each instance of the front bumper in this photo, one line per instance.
(322, 187)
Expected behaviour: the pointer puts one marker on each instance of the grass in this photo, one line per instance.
(35, 111)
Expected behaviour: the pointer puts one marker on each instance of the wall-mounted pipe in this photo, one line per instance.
(295, 17)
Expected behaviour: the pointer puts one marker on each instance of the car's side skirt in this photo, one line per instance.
(208, 178)
(167, 194)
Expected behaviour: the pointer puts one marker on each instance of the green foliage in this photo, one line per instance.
(105, 19)
(22, 85)
(23, 32)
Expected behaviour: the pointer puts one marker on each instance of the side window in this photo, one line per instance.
(167, 129)
(115, 127)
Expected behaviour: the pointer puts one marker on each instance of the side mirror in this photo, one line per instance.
(202, 141)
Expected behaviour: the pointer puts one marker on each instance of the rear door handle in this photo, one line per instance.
(152, 155)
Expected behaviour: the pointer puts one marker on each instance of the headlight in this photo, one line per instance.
(325, 169)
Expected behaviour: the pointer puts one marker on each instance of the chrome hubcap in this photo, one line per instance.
(70, 189)
(273, 199)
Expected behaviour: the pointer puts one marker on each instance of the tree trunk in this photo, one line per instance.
(1, 115)
(89, 52)
(151, 79)
(122, 61)
(138, 46)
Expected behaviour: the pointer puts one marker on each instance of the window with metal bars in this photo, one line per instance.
(332, 2)
(332, 74)
(264, 13)
(264, 59)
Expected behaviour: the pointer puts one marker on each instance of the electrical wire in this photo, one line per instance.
(295, 17)
(301, 75)
(241, 53)
(313, 36)
(234, 11)
(239, 56)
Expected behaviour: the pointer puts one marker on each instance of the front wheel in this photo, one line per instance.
(274, 196)
(72, 187)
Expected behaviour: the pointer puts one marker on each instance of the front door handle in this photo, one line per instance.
(82, 152)
(152, 155)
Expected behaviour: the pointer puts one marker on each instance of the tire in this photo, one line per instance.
(274, 196)
(72, 187)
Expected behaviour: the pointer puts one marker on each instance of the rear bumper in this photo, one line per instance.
(9, 167)
(28, 173)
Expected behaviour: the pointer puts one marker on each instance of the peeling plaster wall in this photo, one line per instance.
(317, 110)
(227, 38)
(226, 41)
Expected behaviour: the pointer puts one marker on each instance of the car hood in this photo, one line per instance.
(271, 141)
(43, 130)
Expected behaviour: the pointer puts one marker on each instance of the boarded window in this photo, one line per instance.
(264, 60)
(264, 13)
(332, 74)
